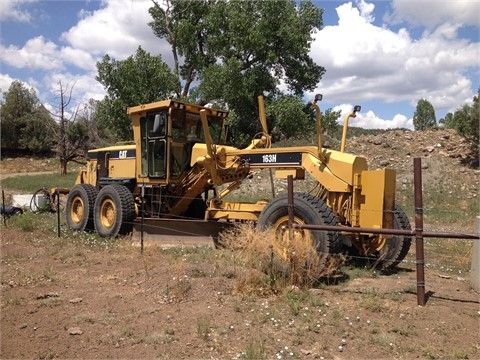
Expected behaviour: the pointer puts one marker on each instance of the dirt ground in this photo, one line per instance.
(68, 298)
(62, 299)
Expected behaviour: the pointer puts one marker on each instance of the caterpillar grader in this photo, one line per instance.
(173, 179)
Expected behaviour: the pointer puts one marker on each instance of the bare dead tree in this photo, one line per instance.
(68, 141)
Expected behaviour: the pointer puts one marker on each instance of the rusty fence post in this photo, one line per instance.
(475, 266)
(4, 212)
(420, 258)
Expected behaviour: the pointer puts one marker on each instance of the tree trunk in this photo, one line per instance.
(63, 166)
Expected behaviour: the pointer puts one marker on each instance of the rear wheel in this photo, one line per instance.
(79, 210)
(307, 210)
(114, 211)
(396, 248)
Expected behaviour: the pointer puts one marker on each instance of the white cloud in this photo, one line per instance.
(37, 53)
(12, 10)
(5, 82)
(365, 62)
(79, 58)
(117, 29)
(369, 120)
(432, 13)
(79, 88)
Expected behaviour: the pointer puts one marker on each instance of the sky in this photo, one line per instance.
(383, 55)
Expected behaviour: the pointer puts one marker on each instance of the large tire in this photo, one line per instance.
(307, 209)
(80, 205)
(114, 211)
(396, 248)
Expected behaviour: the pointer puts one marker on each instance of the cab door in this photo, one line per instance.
(103, 158)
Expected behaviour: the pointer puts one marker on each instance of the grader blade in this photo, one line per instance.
(168, 233)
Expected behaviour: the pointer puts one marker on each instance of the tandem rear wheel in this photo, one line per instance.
(79, 208)
(114, 211)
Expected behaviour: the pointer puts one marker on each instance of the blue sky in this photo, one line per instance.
(383, 55)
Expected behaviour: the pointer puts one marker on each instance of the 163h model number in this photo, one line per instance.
(269, 158)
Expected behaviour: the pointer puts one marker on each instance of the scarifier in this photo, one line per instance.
(171, 182)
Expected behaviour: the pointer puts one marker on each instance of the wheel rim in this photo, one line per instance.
(107, 213)
(301, 239)
(77, 210)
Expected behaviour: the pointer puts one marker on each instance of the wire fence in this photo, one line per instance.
(412, 192)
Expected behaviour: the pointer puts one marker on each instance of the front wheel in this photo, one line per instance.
(307, 209)
(114, 211)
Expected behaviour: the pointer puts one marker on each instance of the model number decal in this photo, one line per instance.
(269, 158)
(275, 159)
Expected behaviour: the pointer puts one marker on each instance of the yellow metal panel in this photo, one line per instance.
(122, 168)
(297, 174)
(146, 107)
(378, 198)
(236, 210)
(344, 166)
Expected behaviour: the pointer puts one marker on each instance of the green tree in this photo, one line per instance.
(447, 121)
(466, 123)
(330, 121)
(424, 116)
(139, 79)
(183, 24)
(239, 50)
(285, 113)
(25, 123)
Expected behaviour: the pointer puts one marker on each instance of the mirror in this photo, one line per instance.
(357, 108)
(318, 97)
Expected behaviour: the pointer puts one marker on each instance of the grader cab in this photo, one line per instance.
(173, 180)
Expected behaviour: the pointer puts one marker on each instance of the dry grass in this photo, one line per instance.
(273, 263)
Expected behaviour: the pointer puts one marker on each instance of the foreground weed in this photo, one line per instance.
(46, 355)
(83, 318)
(108, 318)
(354, 272)
(283, 263)
(204, 325)
(372, 301)
(12, 300)
(255, 350)
(169, 330)
(26, 222)
(127, 331)
(460, 354)
(295, 300)
(179, 290)
(49, 302)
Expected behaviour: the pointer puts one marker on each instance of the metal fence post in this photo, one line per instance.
(420, 258)
(475, 267)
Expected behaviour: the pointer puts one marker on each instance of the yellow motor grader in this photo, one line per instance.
(173, 179)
